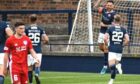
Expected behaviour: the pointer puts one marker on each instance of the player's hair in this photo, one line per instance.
(110, 1)
(33, 17)
(19, 23)
(117, 18)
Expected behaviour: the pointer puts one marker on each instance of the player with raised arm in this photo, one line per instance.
(5, 32)
(36, 34)
(17, 47)
(107, 19)
(117, 37)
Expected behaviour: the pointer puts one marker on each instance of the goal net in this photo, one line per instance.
(128, 9)
(81, 34)
(130, 12)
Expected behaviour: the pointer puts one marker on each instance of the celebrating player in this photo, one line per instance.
(107, 19)
(4, 31)
(118, 37)
(36, 34)
(17, 47)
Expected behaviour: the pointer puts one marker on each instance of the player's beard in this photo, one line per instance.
(19, 34)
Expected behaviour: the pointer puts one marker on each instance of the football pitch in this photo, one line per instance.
(83, 78)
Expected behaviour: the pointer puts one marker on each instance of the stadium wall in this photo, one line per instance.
(41, 5)
(38, 4)
(50, 22)
(85, 63)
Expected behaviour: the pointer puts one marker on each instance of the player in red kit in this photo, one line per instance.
(17, 47)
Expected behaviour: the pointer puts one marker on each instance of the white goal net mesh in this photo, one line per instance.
(80, 32)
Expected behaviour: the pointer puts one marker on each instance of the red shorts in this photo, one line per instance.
(19, 73)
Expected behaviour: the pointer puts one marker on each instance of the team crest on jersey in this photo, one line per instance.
(109, 15)
(25, 42)
(16, 44)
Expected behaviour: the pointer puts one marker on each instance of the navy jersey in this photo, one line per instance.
(35, 33)
(3, 26)
(116, 36)
(107, 18)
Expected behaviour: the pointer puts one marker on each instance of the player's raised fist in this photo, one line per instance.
(100, 9)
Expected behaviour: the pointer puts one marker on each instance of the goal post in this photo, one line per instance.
(90, 25)
(82, 29)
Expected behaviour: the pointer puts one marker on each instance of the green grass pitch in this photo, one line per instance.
(83, 78)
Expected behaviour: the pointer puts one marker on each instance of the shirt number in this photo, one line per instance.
(15, 78)
(117, 36)
(35, 37)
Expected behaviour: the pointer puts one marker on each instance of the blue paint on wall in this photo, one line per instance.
(86, 64)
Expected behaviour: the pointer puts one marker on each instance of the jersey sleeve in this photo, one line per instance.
(113, 14)
(7, 46)
(5, 25)
(124, 30)
(43, 32)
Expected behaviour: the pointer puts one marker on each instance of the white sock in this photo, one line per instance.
(111, 81)
(118, 66)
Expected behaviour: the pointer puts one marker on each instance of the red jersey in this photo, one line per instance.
(18, 48)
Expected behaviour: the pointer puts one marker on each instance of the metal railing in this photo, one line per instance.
(54, 47)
